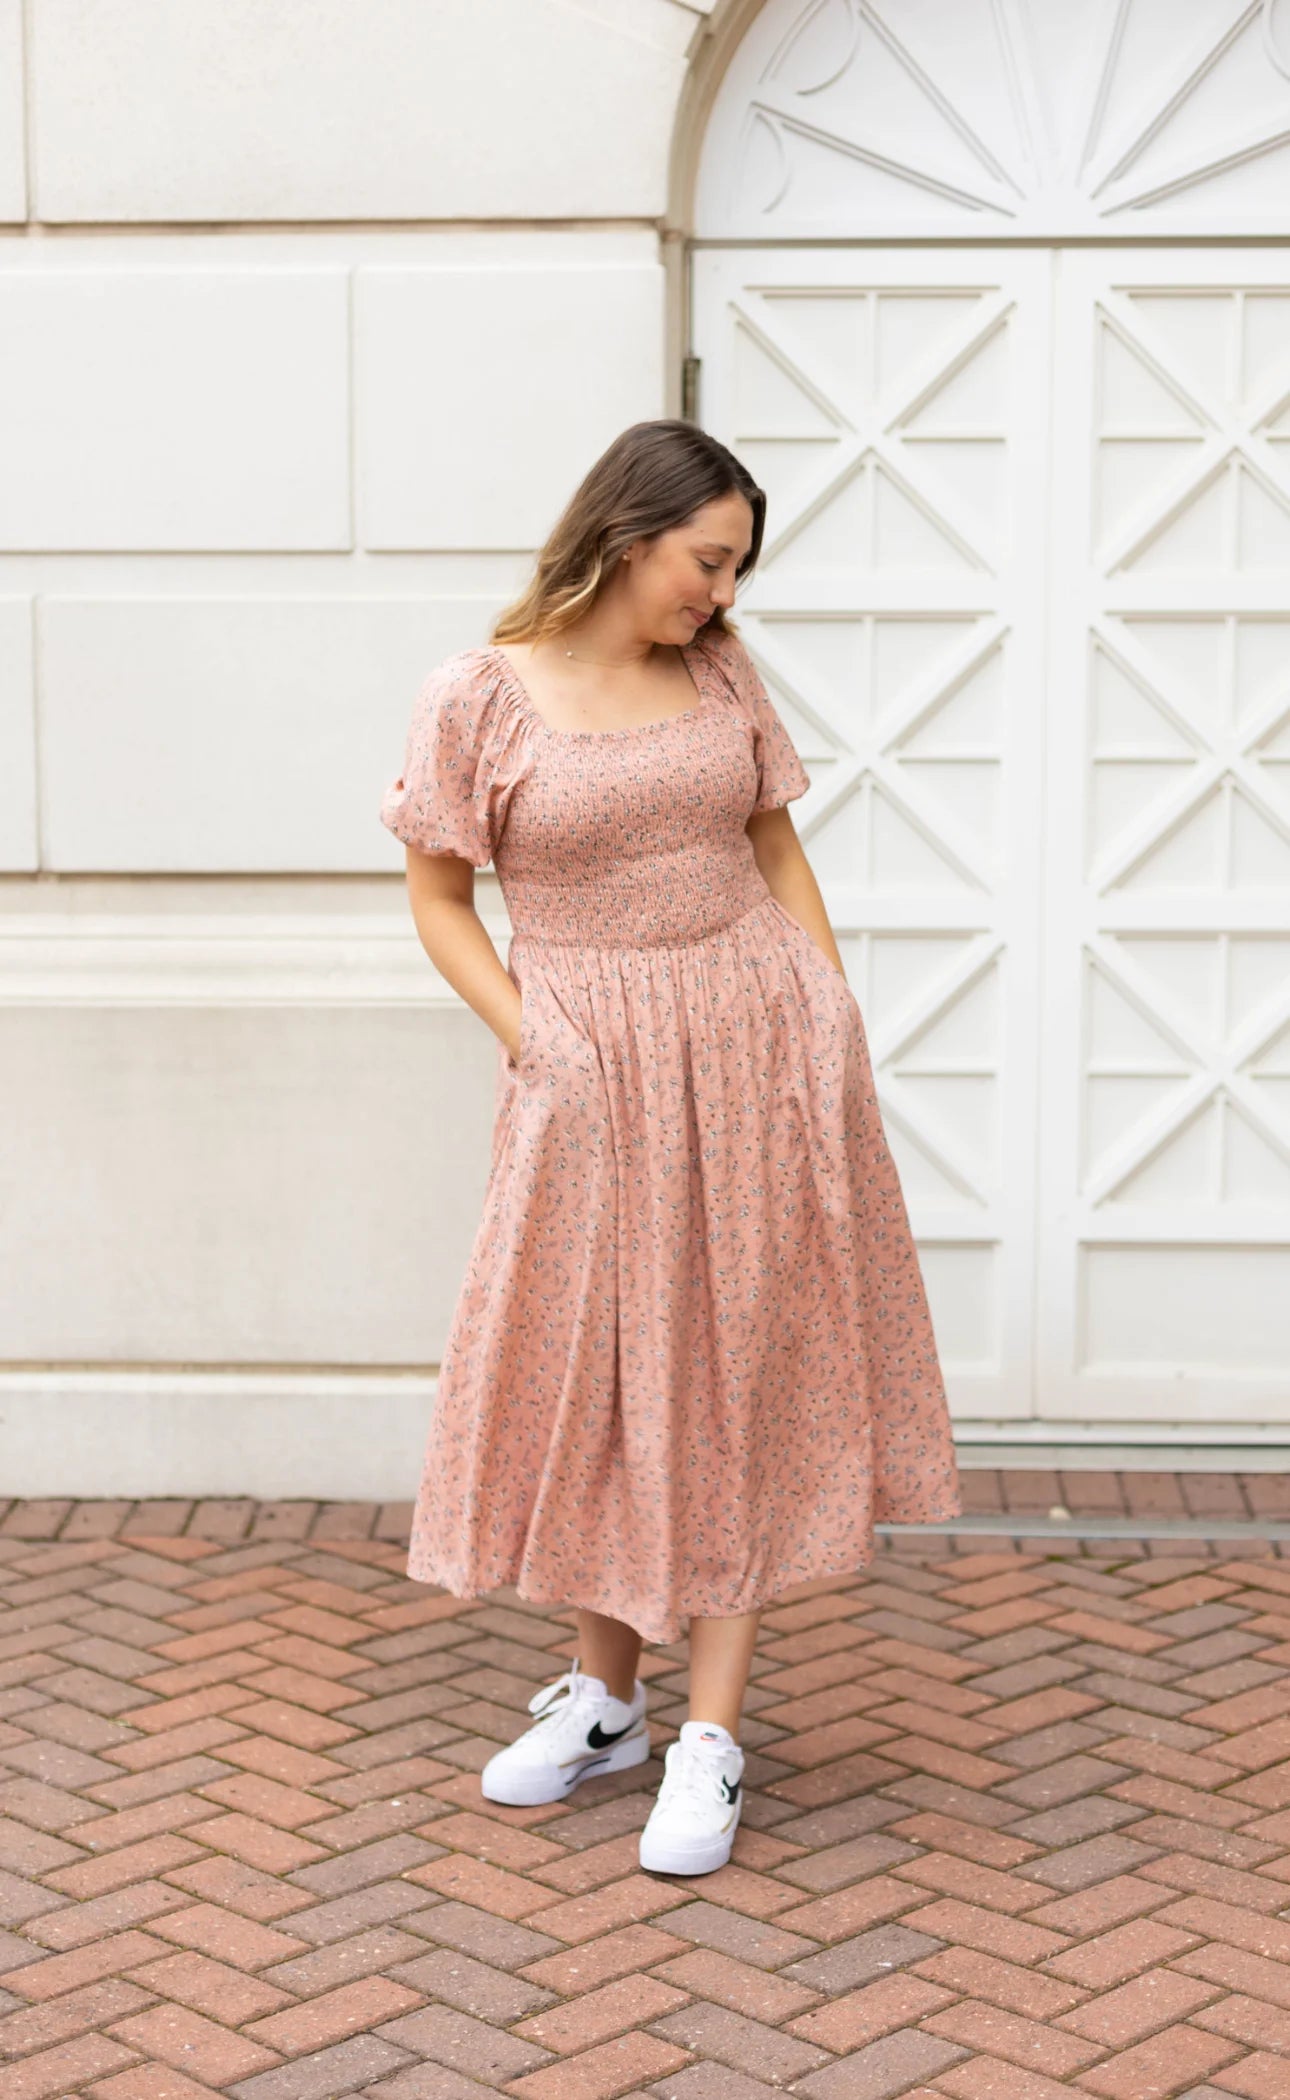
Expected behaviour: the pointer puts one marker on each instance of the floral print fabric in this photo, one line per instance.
(692, 1360)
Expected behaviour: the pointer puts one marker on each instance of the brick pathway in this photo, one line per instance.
(1017, 1826)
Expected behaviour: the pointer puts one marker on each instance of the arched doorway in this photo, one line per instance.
(994, 297)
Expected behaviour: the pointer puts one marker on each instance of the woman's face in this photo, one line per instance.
(684, 574)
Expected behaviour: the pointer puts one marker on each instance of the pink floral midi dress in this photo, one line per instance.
(691, 1361)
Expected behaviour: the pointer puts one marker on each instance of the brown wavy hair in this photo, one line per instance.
(653, 477)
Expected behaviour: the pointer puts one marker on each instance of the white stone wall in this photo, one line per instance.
(311, 317)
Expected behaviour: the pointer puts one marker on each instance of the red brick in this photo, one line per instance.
(120, 1951)
(1113, 1956)
(991, 1848)
(989, 2030)
(830, 1702)
(55, 2072)
(210, 1987)
(1206, 1877)
(1166, 2064)
(705, 1973)
(603, 2073)
(1109, 1633)
(1009, 1938)
(144, 1755)
(233, 1886)
(303, 1689)
(1247, 1974)
(1110, 1902)
(1255, 1747)
(1153, 2000)
(576, 1873)
(148, 2082)
(1001, 1618)
(1239, 1928)
(810, 1611)
(632, 1947)
(253, 1794)
(257, 1844)
(962, 1970)
(118, 1870)
(837, 1782)
(1171, 1800)
(850, 1910)
(988, 2078)
(130, 1826)
(732, 1886)
(916, 1717)
(240, 1941)
(969, 1880)
(216, 1640)
(879, 2008)
(622, 1903)
(210, 2053)
(315, 1658)
(163, 1715)
(1143, 1755)
(40, 2026)
(961, 1766)
(394, 1618)
(820, 1746)
(490, 1888)
(500, 1844)
(144, 1902)
(318, 1625)
(294, 1768)
(1248, 2020)
(760, 1852)
(629, 2002)
(182, 1678)
(351, 2009)
(404, 1775)
(1256, 2077)
(309, 1731)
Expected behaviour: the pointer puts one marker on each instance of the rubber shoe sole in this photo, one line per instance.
(663, 1855)
(529, 1786)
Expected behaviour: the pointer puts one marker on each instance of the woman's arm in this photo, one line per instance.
(441, 891)
(789, 876)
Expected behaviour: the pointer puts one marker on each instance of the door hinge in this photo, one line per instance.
(690, 389)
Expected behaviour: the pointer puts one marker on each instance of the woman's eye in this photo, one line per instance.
(710, 566)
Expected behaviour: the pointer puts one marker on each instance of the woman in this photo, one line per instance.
(692, 1360)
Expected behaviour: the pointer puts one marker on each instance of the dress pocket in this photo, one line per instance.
(519, 1065)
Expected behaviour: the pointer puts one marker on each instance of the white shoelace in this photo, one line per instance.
(543, 1700)
(575, 1687)
(692, 1779)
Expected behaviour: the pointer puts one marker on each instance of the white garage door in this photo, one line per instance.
(1025, 605)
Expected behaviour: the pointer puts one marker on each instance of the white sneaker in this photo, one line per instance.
(692, 1824)
(581, 1736)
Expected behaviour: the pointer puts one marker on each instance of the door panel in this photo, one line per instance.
(1165, 1160)
(894, 405)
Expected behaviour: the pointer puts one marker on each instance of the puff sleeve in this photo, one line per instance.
(441, 801)
(781, 776)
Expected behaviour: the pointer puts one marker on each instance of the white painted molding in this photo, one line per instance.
(328, 1436)
(312, 1435)
(218, 959)
(871, 120)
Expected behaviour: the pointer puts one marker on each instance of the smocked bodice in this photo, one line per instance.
(600, 838)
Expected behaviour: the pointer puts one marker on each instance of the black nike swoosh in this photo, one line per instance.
(598, 1739)
(732, 1792)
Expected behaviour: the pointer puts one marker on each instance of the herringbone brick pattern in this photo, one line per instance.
(1017, 1826)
